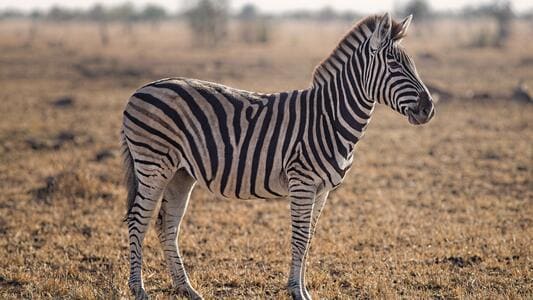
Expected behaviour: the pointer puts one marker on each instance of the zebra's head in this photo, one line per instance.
(392, 78)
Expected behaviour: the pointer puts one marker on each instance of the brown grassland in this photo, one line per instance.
(439, 211)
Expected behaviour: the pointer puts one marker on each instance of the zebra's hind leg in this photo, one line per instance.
(173, 208)
(148, 191)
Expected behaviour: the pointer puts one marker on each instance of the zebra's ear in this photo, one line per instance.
(404, 25)
(382, 32)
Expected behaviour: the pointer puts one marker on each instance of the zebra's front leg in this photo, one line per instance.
(173, 208)
(302, 199)
(320, 202)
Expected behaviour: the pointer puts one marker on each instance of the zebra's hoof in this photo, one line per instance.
(139, 293)
(299, 294)
(307, 294)
(188, 292)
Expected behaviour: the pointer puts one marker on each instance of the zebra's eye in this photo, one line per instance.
(394, 65)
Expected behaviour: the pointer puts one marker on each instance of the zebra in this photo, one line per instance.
(179, 132)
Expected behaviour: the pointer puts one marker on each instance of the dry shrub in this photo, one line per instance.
(521, 93)
(71, 185)
(62, 139)
(97, 67)
(64, 102)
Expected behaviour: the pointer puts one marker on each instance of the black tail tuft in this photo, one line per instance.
(129, 176)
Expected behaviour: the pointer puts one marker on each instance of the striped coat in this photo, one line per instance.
(239, 144)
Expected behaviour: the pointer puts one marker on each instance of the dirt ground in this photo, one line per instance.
(439, 211)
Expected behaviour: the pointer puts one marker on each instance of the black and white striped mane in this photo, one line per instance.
(359, 32)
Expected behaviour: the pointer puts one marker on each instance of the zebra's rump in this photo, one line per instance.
(233, 142)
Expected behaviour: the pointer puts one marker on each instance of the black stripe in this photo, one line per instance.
(256, 156)
(169, 140)
(152, 149)
(204, 123)
(224, 131)
(290, 127)
(244, 148)
(271, 151)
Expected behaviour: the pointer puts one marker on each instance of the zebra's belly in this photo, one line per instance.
(249, 184)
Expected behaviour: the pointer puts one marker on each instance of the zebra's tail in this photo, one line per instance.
(130, 179)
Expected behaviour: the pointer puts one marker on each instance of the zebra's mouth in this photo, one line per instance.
(422, 111)
(419, 117)
(415, 117)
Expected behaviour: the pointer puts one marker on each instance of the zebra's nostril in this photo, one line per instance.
(424, 102)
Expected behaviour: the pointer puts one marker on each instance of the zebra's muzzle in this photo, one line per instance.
(423, 111)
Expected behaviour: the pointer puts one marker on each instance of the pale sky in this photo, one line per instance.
(363, 6)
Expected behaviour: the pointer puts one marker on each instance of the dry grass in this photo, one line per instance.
(440, 211)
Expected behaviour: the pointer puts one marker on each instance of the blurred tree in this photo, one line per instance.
(248, 12)
(254, 27)
(126, 14)
(57, 13)
(99, 14)
(326, 14)
(153, 13)
(503, 13)
(299, 14)
(36, 14)
(528, 15)
(350, 16)
(420, 9)
(208, 19)
(123, 12)
(10, 14)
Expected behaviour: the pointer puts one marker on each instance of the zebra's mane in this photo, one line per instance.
(362, 30)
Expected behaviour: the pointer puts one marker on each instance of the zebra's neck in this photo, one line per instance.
(340, 114)
(338, 84)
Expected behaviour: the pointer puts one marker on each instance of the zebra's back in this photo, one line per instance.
(234, 143)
